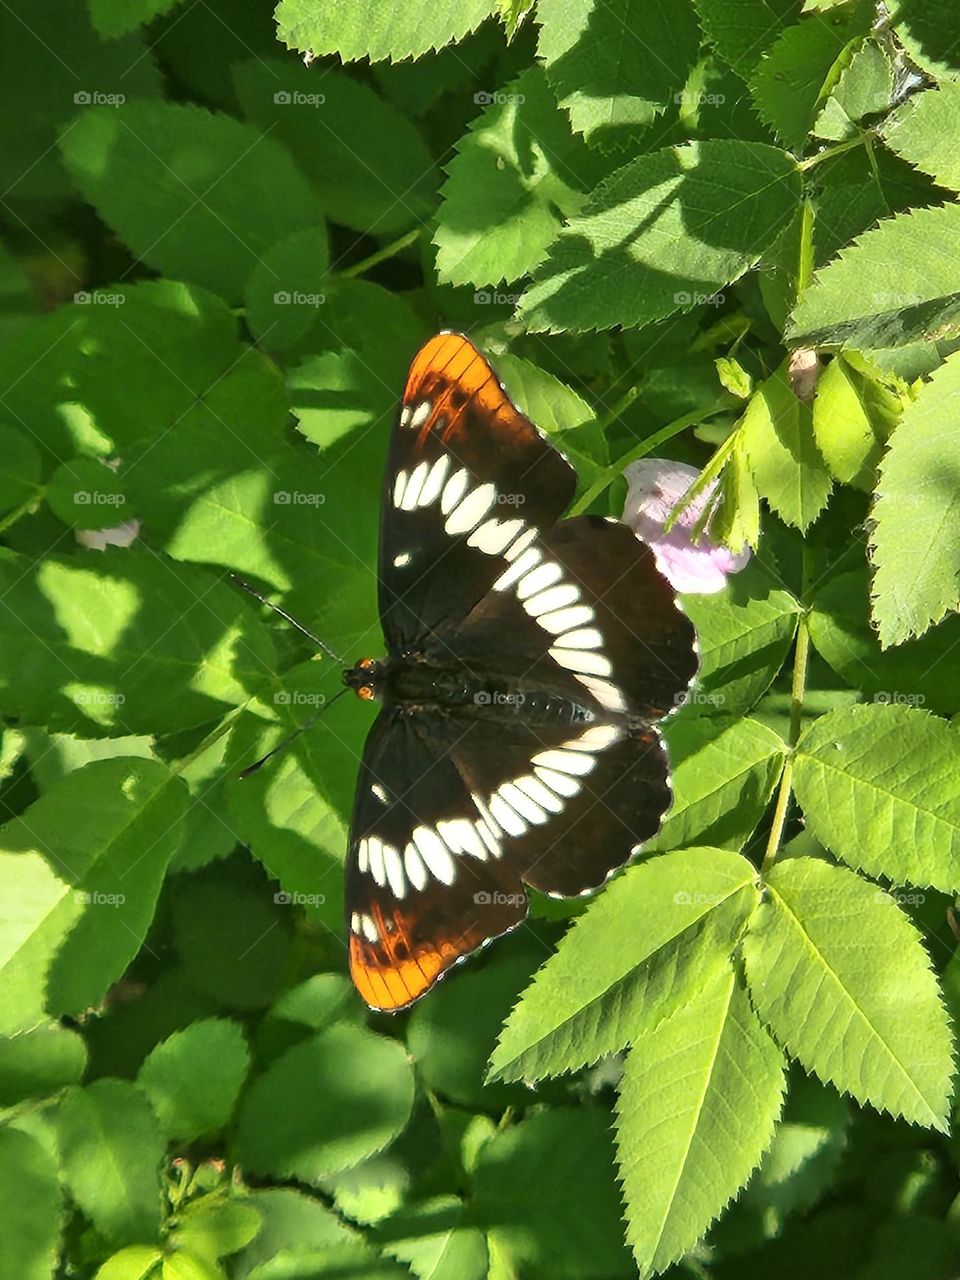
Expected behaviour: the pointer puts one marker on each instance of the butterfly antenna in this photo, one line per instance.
(304, 631)
(291, 737)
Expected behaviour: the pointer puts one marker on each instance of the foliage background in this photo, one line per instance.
(218, 262)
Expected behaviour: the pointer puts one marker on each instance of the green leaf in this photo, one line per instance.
(920, 26)
(307, 1117)
(99, 668)
(233, 941)
(616, 66)
(925, 131)
(43, 91)
(40, 1062)
(292, 1221)
(32, 1211)
(86, 861)
(111, 1148)
(286, 289)
(517, 172)
(194, 1078)
(745, 633)
(780, 447)
(135, 1262)
(432, 1240)
(558, 1216)
(855, 408)
(364, 29)
(190, 1266)
(723, 776)
(688, 1140)
(294, 812)
(917, 673)
(840, 976)
(145, 361)
(792, 81)
(742, 30)
(651, 939)
(799, 1166)
(662, 234)
(880, 787)
(87, 494)
(369, 163)
(20, 466)
(452, 1035)
(213, 1228)
(116, 17)
(864, 89)
(855, 301)
(916, 513)
(190, 193)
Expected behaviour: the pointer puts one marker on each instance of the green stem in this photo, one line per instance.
(26, 506)
(615, 470)
(388, 251)
(798, 686)
(829, 152)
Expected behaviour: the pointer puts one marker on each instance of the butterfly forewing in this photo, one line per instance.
(466, 472)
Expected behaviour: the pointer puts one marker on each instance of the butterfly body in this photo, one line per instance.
(529, 659)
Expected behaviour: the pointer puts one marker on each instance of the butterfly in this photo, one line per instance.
(529, 659)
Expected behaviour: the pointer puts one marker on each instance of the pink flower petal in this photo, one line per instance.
(655, 487)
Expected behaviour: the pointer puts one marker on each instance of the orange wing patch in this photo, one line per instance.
(388, 973)
(449, 373)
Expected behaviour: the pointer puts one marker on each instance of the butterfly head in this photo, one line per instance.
(364, 678)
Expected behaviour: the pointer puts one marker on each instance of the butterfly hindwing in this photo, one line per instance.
(465, 471)
(427, 882)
